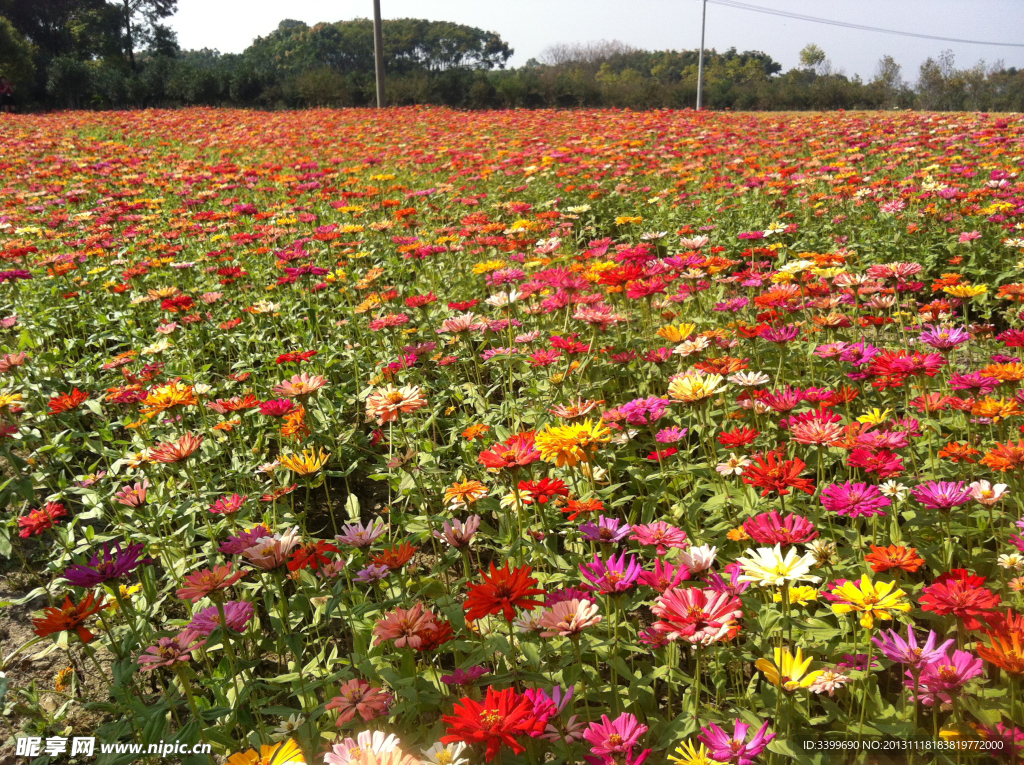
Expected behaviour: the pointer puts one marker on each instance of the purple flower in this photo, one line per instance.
(736, 749)
(614, 575)
(942, 495)
(612, 737)
(114, 565)
(779, 335)
(895, 648)
(373, 574)
(237, 613)
(858, 661)
(568, 593)
(463, 677)
(606, 531)
(944, 338)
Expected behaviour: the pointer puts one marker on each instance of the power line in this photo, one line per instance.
(848, 25)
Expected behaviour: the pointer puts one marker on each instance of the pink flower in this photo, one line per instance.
(942, 495)
(660, 535)
(228, 505)
(771, 529)
(664, 576)
(609, 737)
(133, 496)
(568, 617)
(697, 616)
(210, 580)
(359, 696)
(459, 534)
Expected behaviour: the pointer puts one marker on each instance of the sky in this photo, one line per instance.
(530, 26)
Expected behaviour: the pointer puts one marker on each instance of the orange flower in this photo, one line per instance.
(395, 557)
(67, 402)
(995, 410)
(68, 618)
(465, 493)
(475, 431)
(958, 452)
(885, 558)
(1005, 652)
(1005, 457)
(1011, 372)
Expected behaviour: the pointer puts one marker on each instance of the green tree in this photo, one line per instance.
(15, 55)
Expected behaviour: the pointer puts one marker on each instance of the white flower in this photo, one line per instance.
(749, 379)
(287, 727)
(648, 236)
(201, 389)
(698, 558)
(1013, 560)
(348, 751)
(894, 490)
(502, 299)
(767, 566)
(439, 754)
(156, 348)
(986, 494)
(579, 209)
(732, 466)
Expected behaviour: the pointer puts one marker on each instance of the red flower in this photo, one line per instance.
(67, 402)
(502, 590)
(543, 491)
(295, 357)
(68, 618)
(514, 452)
(311, 556)
(41, 519)
(770, 473)
(503, 716)
(742, 436)
(395, 557)
(963, 595)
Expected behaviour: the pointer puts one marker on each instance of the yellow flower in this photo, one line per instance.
(788, 671)
(871, 600)
(63, 679)
(165, 397)
(677, 333)
(799, 596)
(285, 753)
(126, 595)
(690, 755)
(306, 463)
(965, 290)
(7, 399)
(875, 417)
(694, 388)
(489, 265)
(571, 444)
(622, 220)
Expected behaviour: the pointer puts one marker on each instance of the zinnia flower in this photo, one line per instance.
(503, 590)
(359, 697)
(871, 600)
(788, 671)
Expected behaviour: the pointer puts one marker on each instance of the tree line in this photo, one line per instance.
(122, 54)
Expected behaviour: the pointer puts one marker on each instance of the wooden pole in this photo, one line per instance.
(378, 53)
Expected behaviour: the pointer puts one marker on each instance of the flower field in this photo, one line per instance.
(526, 437)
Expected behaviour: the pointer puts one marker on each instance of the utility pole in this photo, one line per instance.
(700, 60)
(378, 53)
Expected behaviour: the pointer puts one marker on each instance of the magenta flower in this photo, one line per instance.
(772, 529)
(942, 495)
(895, 648)
(614, 575)
(644, 411)
(736, 749)
(115, 564)
(612, 737)
(779, 335)
(358, 535)
(854, 499)
(661, 536)
(464, 677)
(944, 338)
(236, 544)
(606, 531)
(946, 677)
